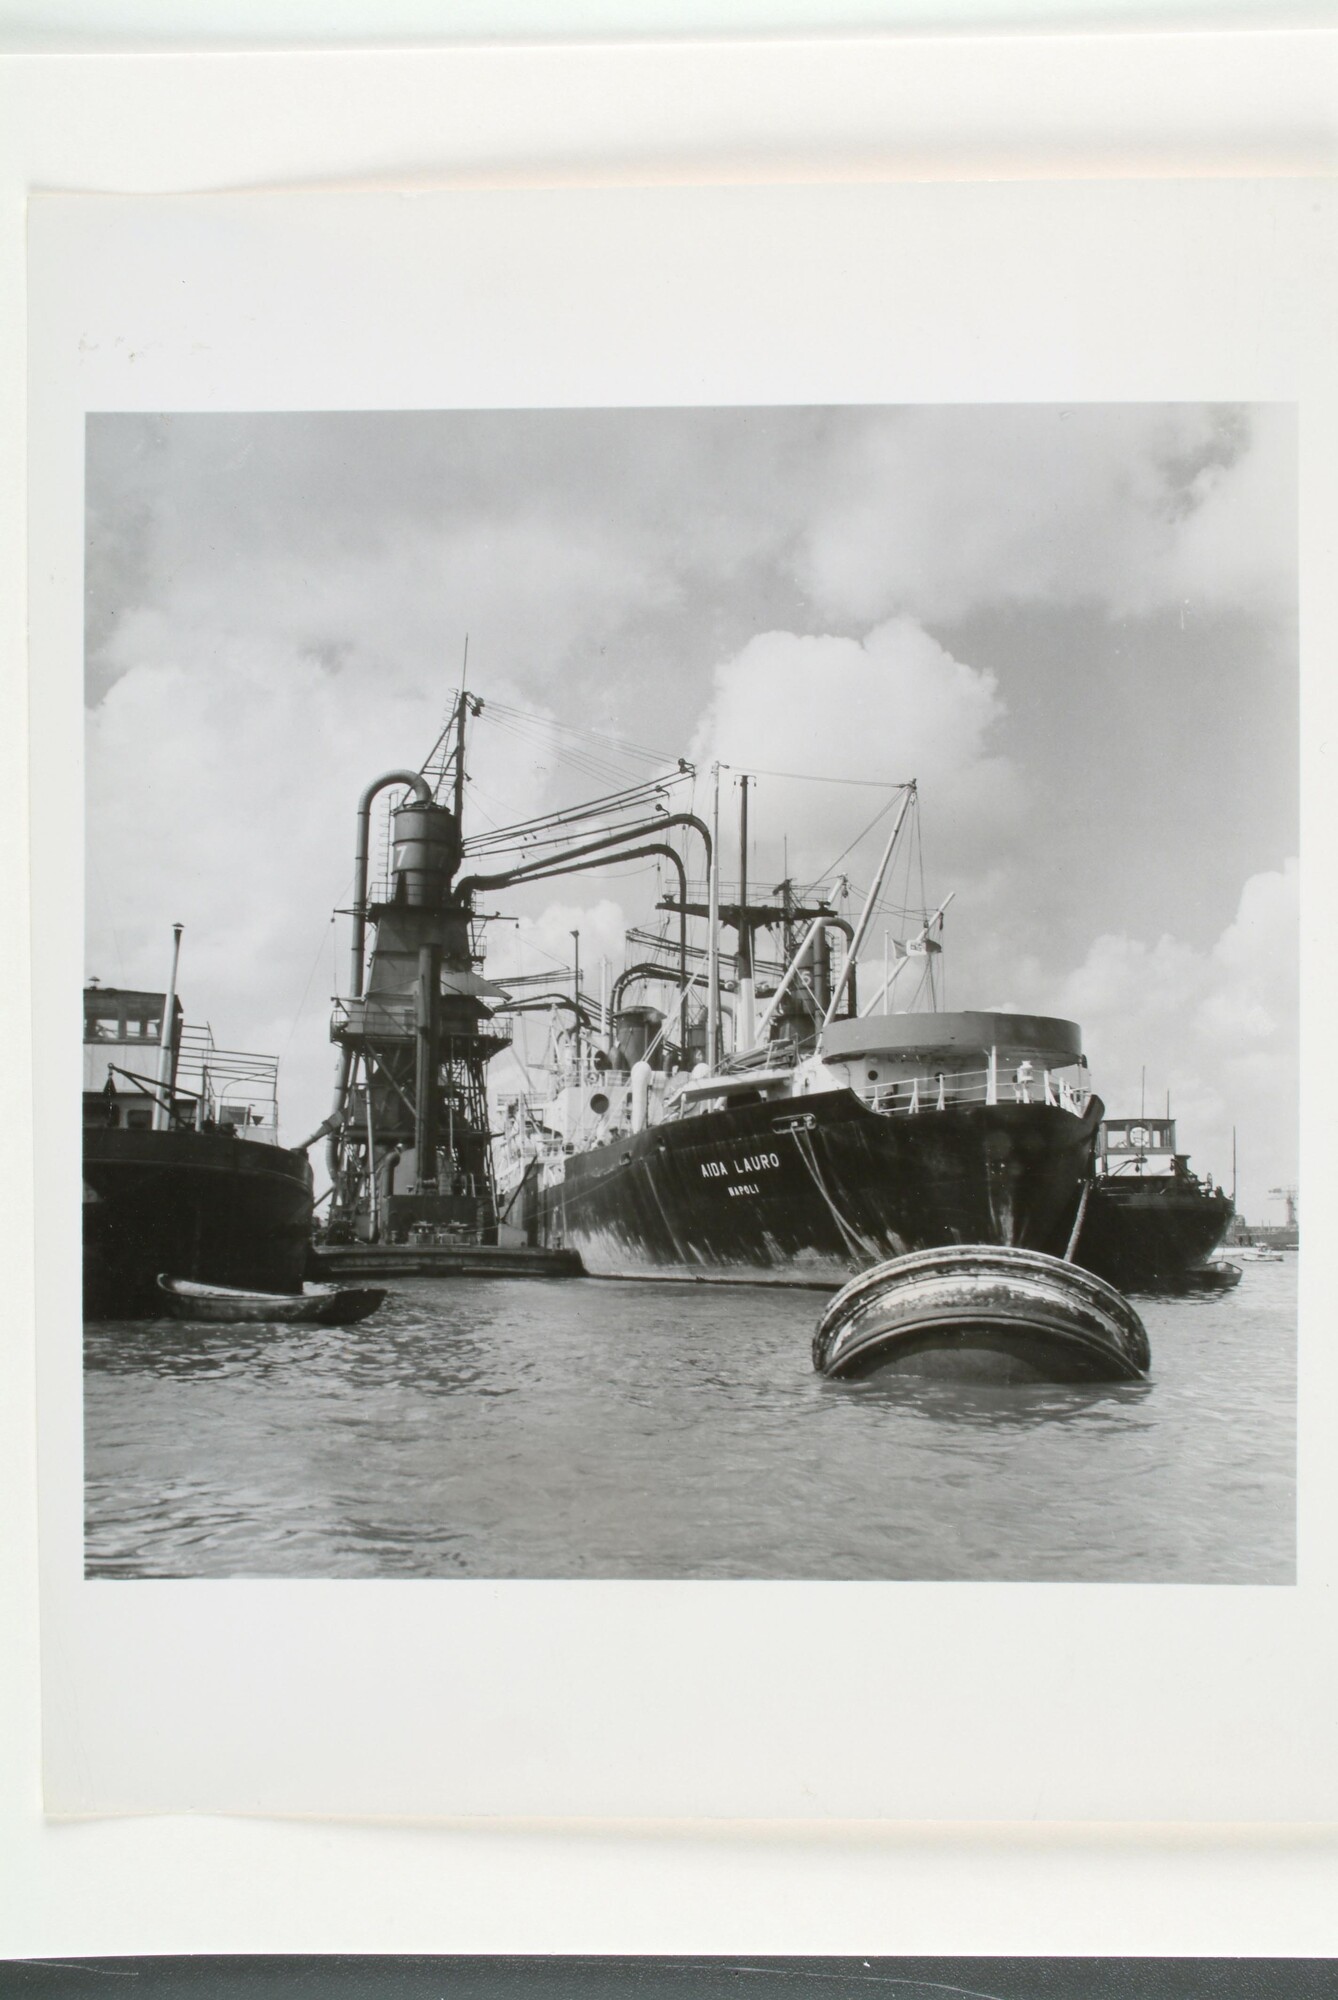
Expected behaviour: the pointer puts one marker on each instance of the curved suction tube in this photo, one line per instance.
(556, 861)
(419, 786)
(558, 864)
(541, 872)
(647, 969)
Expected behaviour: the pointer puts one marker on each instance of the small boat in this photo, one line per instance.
(983, 1312)
(1255, 1253)
(326, 1305)
(1219, 1274)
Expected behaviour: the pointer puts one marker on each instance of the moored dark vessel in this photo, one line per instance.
(895, 1135)
(182, 1169)
(1149, 1223)
(833, 1135)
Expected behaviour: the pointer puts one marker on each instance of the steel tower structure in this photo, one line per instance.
(409, 1147)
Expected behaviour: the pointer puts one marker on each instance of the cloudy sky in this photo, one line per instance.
(1075, 626)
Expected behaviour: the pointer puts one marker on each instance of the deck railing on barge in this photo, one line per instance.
(231, 1087)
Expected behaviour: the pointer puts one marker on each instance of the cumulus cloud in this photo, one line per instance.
(555, 539)
(276, 607)
(886, 708)
(226, 800)
(939, 512)
(541, 939)
(1218, 1028)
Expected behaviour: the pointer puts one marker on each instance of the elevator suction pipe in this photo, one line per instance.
(422, 791)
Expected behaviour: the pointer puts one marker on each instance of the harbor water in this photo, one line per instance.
(588, 1428)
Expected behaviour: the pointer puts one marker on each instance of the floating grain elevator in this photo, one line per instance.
(409, 1149)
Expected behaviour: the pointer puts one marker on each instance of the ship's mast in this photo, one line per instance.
(743, 1033)
(461, 710)
(713, 932)
(866, 916)
(576, 987)
(922, 944)
(162, 1103)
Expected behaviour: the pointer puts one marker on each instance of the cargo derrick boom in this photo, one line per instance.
(799, 1012)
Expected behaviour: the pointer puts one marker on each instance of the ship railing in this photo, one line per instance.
(531, 1122)
(232, 1088)
(357, 1018)
(397, 1020)
(944, 1090)
(572, 1076)
(533, 1103)
(536, 1106)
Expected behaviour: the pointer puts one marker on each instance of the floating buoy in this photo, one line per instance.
(982, 1312)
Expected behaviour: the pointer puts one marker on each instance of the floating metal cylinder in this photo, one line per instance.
(986, 1312)
(425, 853)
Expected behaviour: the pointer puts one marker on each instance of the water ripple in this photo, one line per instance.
(591, 1429)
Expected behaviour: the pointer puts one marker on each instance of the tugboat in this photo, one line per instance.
(183, 1173)
(1148, 1222)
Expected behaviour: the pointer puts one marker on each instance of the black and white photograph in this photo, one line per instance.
(668, 794)
(692, 992)
(673, 936)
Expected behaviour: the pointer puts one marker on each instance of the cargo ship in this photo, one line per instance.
(1148, 1223)
(894, 1133)
(183, 1174)
(829, 1135)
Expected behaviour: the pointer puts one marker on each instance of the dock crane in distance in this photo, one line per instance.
(1287, 1194)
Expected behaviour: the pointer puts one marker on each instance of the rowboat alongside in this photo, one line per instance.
(324, 1305)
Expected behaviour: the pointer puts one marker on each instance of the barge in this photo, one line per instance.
(182, 1169)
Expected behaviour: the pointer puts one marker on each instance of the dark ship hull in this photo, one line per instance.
(1150, 1235)
(197, 1205)
(810, 1190)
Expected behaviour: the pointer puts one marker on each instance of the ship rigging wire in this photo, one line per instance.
(534, 738)
(531, 843)
(581, 749)
(526, 832)
(825, 874)
(815, 778)
(620, 743)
